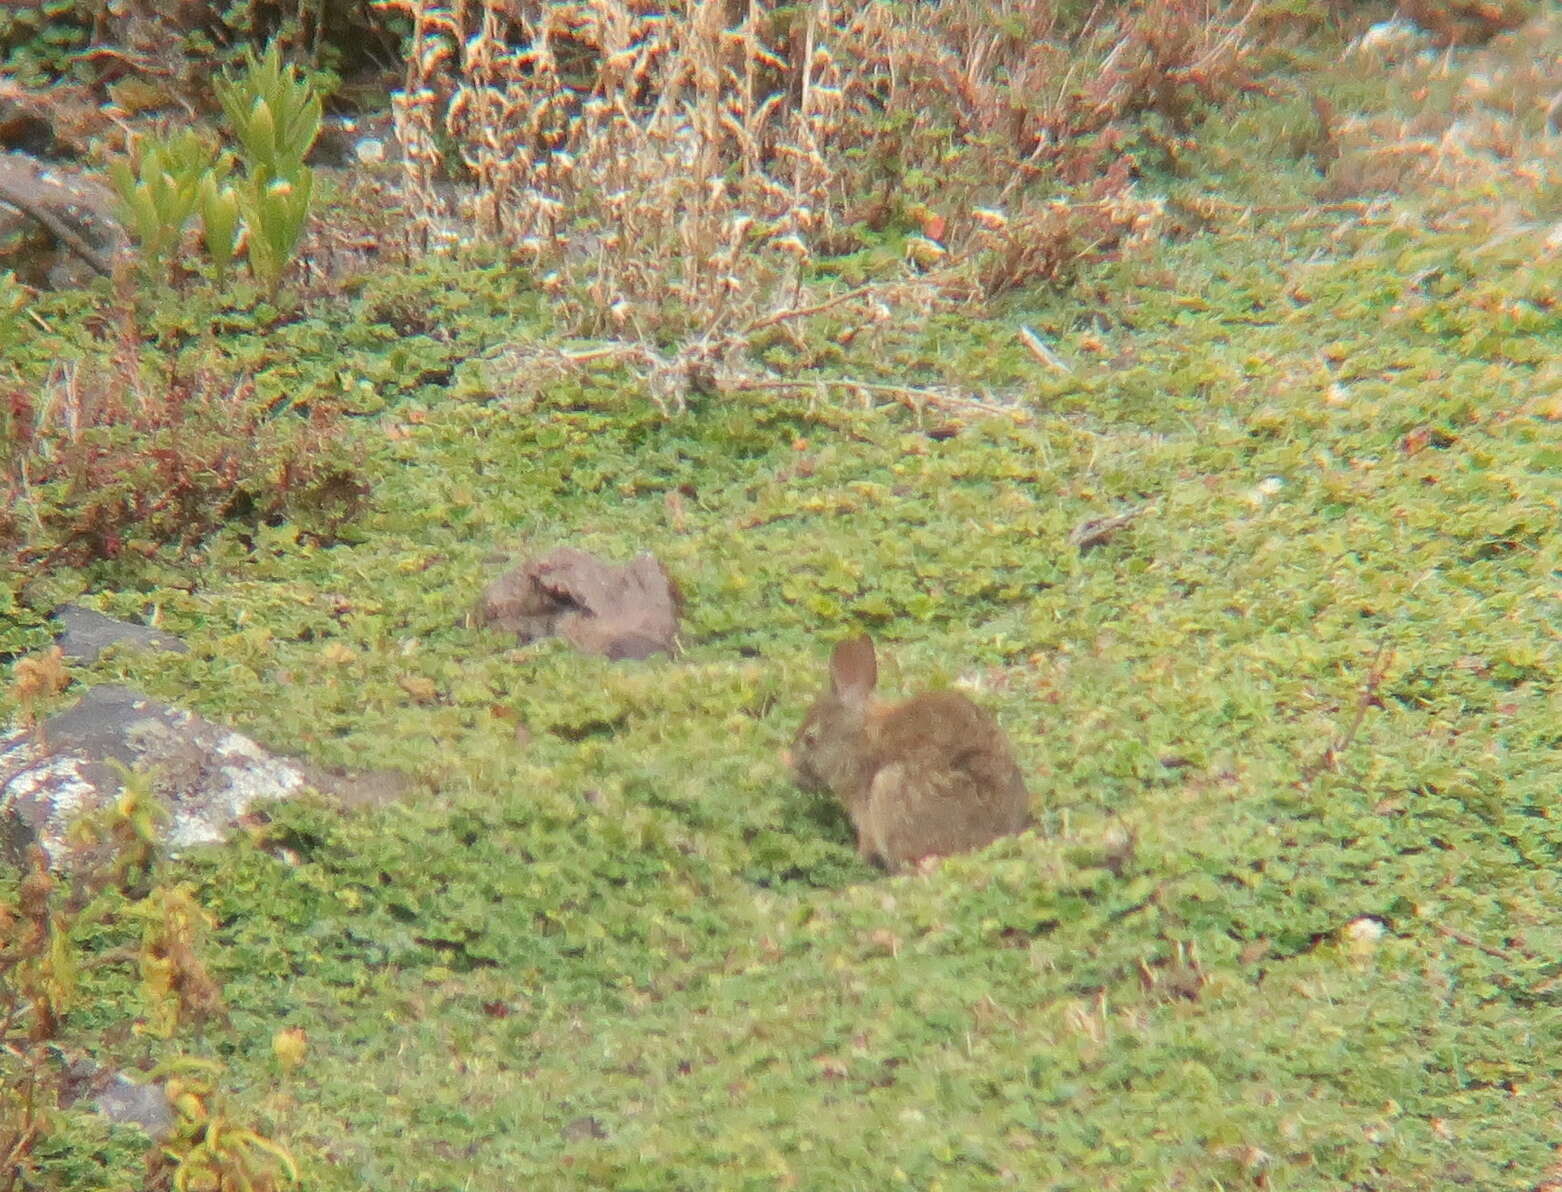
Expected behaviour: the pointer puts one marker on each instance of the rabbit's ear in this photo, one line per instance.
(853, 668)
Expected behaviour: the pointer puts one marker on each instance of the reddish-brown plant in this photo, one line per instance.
(126, 455)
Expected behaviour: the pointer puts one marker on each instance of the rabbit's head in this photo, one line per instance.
(830, 751)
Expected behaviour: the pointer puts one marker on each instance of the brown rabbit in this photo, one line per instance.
(932, 776)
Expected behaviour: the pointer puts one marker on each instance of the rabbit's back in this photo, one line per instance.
(943, 780)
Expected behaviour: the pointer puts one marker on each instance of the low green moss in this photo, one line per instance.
(626, 952)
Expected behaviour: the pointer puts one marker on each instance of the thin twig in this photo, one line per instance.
(24, 1142)
(1211, 203)
(1470, 941)
(1042, 352)
(1329, 759)
(912, 398)
(587, 355)
(802, 312)
(1094, 531)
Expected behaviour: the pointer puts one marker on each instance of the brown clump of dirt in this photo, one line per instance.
(619, 611)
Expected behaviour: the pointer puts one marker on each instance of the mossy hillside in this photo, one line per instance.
(631, 925)
(625, 952)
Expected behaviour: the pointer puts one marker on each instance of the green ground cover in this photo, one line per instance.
(621, 950)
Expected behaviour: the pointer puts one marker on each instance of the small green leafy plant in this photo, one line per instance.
(159, 185)
(65, 942)
(210, 1150)
(274, 115)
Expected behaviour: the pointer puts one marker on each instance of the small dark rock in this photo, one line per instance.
(88, 633)
(582, 1128)
(57, 122)
(24, 129)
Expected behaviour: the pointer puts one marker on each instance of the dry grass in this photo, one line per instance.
(1482, 118)
(673, 176)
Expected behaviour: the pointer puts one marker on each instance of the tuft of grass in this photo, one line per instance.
(67, 1003)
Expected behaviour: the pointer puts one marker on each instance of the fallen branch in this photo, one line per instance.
(1042, 352)
(57, 227)
(802, 312)
(912, 398)
(1470, 941)
(1344, 206)
(1095, 531)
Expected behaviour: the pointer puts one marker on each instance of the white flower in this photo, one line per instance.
(1260, 493)
(1361, 936)
(1366, 929)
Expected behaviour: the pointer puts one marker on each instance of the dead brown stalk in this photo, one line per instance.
(1377, 670)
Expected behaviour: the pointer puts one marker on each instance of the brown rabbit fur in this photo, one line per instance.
(925, 778)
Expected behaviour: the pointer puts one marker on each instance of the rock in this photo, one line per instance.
(581, 1128)
(144, 1105)
(155, 34)
(57, 122)
(1465, 22)
(370, 788)
(118, 1098)
(346, 142)
(205, 774)
(24, 127)
(57, 224)
(617, 611)
(87, 633)
(1389, 40)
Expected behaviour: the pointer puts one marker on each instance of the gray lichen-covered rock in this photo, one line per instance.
(129, 1104)
(123, 1101)
(86, 633)
(206, 775)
